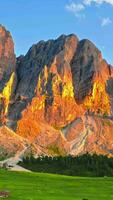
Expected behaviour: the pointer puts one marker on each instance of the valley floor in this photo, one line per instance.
(39, 186)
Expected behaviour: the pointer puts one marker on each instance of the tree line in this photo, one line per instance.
(82, 165)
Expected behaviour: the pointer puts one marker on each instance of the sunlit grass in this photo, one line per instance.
(37, 186)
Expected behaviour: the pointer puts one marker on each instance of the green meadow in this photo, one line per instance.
(39, 186)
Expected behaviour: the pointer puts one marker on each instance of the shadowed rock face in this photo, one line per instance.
(109, 89)
(52, 87)
(8, 77)
(86, 67)
(30, 66)
(7, 56)
(43, 74)
(55, 74)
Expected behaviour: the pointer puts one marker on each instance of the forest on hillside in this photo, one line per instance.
(83, 165)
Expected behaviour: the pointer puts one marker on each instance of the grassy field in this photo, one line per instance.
(37, 186)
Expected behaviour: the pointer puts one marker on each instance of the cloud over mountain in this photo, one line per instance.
(106, 21)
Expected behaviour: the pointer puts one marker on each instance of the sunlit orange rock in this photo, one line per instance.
(7, 71)
(90, 134)
(58, 96)
(10, 143)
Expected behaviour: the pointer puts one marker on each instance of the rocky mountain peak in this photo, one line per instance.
(88, 67)
(7, 56)
(53, 90)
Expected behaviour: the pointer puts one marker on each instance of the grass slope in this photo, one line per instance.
(37, 186)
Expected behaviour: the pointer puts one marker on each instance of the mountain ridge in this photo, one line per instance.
(59, 87)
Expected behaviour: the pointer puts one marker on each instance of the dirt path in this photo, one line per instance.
(12, 163)
(19, 168)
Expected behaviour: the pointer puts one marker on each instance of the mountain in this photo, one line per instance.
(59, 96)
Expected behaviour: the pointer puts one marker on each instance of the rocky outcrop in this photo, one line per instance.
(7, 56)
(10, 143)
(109, 89)
(45, 81)
(55, 74)
(7, 72)
(52, 88)
(87, 67)
(90, 73)
(42, 136)
(90, 134)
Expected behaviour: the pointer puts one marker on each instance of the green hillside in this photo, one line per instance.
(37, 186)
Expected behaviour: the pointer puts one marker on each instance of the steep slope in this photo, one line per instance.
(53, 88)
(55, 74)
(7, 57)
(90, 134)
(61, 79)
(7, 72)
(90, 74)
(10, 143)
(45, 80)
(45, 138)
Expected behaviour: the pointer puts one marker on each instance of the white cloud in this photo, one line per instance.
(75, 8)
(78, 8)
(106, 21)
(89, 2)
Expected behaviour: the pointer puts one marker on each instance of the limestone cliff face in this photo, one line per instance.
(45, 81)
(72, 82)
(90, 134)
(90, 74)
(10, 143)
(7, 56)
(7, 71)
(56, 83)
(109, 89)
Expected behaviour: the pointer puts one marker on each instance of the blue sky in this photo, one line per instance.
(32, 20)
